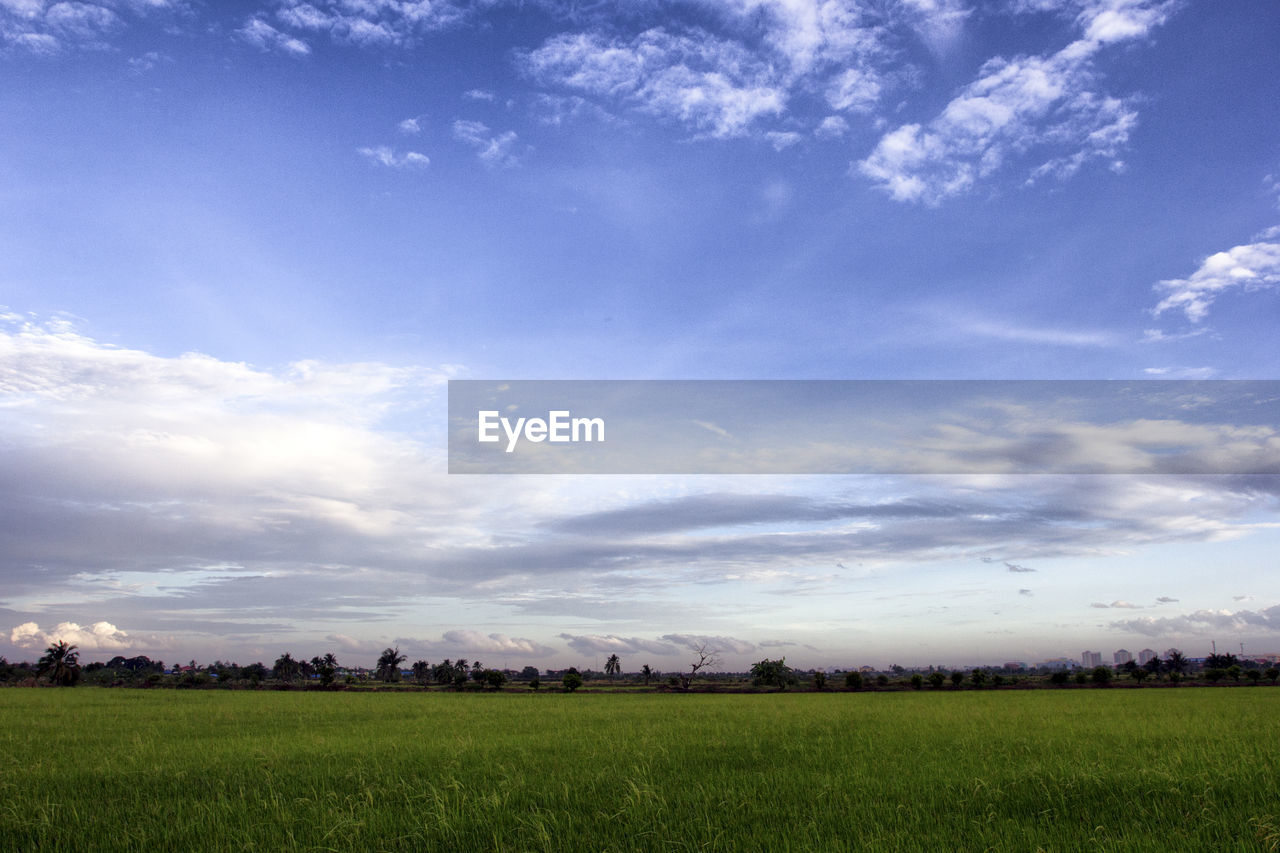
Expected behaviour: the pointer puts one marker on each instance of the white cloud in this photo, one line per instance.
(386, 156)
(100, 636)
(1016, 107)
(590, 644)
(938, 22)
(832, 127)
(1206, 622)
(728, 67)
(1018, 333)
(409, 125)
(261, 34)
(710, 84)
(49, 28)
(1248, 267)
(477, 643)
(218, 448)
(1181, 372)
(478, 95)
(1159, 336)
(782, 140)
(373, 23)
(497, 151)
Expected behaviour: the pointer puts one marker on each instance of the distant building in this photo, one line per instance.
(1090, 659)
(1056, 663)
(1145, 656)
(1015, 664)
(1122, 657)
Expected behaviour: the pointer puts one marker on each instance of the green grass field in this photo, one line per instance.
(1182, 769)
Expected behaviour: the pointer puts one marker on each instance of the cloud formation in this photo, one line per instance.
(49, 28)
(190, 494)
(494, 150)
(1046, 106)
(384, 23)
(465, 640)
(713, 644)
(392, 159)
(1205, 622)
(1249, 267)
(257, 32)
(709, 84)
(100, 636)
(591, 644)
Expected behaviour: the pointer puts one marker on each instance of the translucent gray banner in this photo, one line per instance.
(864, 427)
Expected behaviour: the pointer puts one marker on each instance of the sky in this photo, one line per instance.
(245, 246)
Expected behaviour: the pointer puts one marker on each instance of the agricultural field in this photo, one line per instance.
(98, 769)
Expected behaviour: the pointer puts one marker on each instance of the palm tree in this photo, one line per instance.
(647, 673)
(612, 666)
(389, 664)
(1176, 662)
(421, 671)
(286, 668)
(60, 661)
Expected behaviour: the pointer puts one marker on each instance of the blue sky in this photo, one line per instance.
(243, 246)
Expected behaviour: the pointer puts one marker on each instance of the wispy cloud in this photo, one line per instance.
(385, 23)
(43, 27)
(1181, 372)
(1014, 567)
(1022, 333)
(1248, 267)
(386, 156)
(494, 150)
(257, 32)
(710, 84)
(1046, 105)
(1159, 336)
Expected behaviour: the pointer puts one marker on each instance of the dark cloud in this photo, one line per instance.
(1014, 567)
(590, 644)
(698, 512)
(719, 645)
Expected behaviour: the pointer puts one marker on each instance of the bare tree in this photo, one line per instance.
(707, 657)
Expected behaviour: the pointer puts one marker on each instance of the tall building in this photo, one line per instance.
(1122, 657)
(1146, 655)
(1090, 659)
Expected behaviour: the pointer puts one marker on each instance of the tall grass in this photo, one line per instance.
(93, 769)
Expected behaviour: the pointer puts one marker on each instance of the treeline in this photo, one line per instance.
(60, 666)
